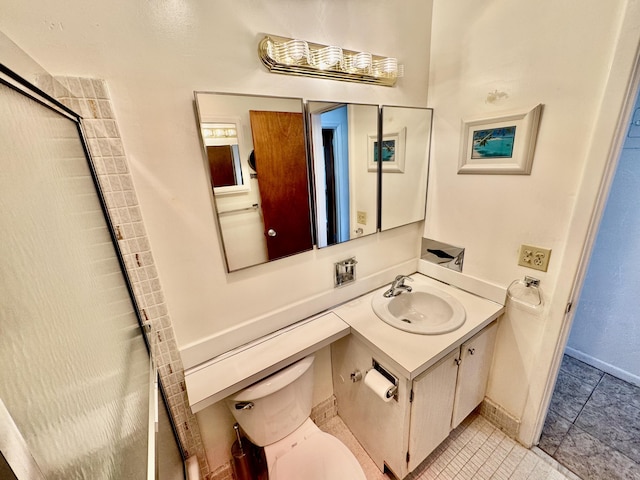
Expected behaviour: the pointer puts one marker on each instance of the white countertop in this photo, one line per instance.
(412, 353)
(231, 372)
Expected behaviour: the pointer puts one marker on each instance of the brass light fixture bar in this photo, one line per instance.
(298, 57)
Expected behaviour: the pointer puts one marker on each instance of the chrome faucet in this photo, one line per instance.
(398, 286)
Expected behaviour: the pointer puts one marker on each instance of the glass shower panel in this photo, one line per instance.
(75, 368)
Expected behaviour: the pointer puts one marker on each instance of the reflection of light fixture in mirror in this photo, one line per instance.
(299, 57)
(219, 132)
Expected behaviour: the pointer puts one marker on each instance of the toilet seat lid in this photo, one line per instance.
(321, 456)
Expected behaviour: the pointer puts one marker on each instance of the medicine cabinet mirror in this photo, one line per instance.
(267, 215)
(255, 156)
(406, 139)
(345, 189)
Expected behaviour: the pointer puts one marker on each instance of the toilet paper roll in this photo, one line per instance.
(377, 382)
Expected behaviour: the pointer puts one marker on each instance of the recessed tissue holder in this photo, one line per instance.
(442, 254)
(382, 382)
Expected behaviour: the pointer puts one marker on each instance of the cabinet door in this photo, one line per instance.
(433, 394)
(475, 356)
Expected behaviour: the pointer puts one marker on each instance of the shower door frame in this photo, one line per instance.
(12, 444)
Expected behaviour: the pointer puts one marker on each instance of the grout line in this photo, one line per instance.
(587, 401)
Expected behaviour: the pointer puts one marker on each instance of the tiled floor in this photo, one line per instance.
(593, 424)
(476, 450)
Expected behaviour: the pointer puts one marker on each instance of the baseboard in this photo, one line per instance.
(324, 411)
(604, 366)
(502, 419)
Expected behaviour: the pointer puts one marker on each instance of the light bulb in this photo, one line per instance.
(328, 57)
(295, 50)
(390, 65)
(362, 60)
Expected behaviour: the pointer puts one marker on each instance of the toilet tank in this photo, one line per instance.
(272, 408)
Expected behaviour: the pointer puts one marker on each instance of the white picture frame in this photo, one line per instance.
(502, 144)
(393, 152)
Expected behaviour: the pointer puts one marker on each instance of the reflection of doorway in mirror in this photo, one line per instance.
(336, 167)
(221, 143)
(224, 165)
(344, 192)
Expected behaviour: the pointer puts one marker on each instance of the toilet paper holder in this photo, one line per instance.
(388, 375)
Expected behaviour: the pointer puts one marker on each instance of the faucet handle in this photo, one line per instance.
(401, 278)
(398, 286)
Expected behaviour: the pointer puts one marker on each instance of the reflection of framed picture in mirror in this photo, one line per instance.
(500, 144)
(393, 147)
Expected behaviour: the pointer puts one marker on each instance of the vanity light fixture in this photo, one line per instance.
(299, 57)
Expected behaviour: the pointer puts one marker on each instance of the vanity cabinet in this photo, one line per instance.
(473, 373)
(400, 434)
(431, 408)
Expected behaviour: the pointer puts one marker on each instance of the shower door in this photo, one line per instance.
(75, 390)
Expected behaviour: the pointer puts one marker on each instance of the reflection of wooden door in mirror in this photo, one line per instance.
(281, 163)
(221, 165)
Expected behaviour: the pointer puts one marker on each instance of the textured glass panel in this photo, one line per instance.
(75, 371)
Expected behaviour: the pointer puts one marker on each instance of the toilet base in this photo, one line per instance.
(311, 454)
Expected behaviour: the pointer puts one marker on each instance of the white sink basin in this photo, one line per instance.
(425, 310)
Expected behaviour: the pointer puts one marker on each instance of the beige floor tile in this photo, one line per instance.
(476, 450)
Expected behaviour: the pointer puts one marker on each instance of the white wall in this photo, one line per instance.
(606, 331)
(501, 55)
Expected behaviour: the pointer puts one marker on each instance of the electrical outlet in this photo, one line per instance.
(361, 218)
(534, 257)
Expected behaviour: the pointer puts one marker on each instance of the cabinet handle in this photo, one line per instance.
(457, 361)
(472, 351)
(271, 232)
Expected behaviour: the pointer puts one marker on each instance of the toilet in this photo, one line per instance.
(274, 414)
